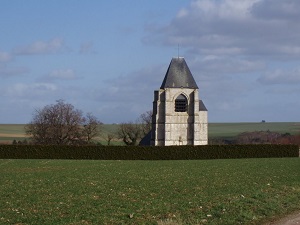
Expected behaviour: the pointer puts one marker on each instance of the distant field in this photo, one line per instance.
(10, 132)
(240, 191)
(229, 130)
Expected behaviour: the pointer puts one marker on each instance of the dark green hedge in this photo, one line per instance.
(147, 153)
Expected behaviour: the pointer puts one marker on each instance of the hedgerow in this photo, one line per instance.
(147, 153)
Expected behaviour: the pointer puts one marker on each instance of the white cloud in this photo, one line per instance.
(233, 27)
(277, 9)
(125, 97)
(35, 90)
(134, 86)
(41, 47)
(64, 74)
(222, 65)
(280, 76)
(7, 72)
(227, 9)
(5, 57)
(87, 48)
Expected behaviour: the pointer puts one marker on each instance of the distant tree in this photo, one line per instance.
(109, 138)
(297, 140)
(91, 127)
(256, 137)
(289, 139)
(220, 141)
(24, 142)
(264, 137)
(145, 120)
(130, 133)
(61, 124)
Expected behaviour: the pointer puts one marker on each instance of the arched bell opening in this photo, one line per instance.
(181, 103)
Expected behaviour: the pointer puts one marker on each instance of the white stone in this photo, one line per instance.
(178, 128)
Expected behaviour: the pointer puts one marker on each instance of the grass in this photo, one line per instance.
(244, 191)
(230, 130)
(10, 132)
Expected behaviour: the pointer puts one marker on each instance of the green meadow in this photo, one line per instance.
(10, 132)
(230, 130)
(240, 191)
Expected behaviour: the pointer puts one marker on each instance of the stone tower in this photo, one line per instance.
(179, 116)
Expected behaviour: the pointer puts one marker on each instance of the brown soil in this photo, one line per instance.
(293, 219)
(12, 135)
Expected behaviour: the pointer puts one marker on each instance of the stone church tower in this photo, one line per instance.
(179, 116)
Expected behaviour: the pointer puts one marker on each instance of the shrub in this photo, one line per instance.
(98, 152)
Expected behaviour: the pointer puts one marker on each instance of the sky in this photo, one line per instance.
(108, 57)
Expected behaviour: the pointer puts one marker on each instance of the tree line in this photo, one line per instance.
(260, 137)
(62, 124)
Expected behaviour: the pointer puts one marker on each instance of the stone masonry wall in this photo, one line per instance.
(178, 128)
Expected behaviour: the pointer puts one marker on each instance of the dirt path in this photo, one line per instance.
(293, 219)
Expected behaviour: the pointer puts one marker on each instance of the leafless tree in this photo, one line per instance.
(109, 138)
(91, 127)
(61, 124)
(130, 133)
(145, 120)
(258, 137)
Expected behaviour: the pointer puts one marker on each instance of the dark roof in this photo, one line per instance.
(146, 140)
(202, 106)
(178, 75)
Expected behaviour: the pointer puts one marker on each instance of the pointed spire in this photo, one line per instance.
(178, 75)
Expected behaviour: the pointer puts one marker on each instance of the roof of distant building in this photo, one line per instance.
(178, 75)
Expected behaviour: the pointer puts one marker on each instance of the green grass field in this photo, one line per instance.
(243, 191)
(10, 132)
(230, 130)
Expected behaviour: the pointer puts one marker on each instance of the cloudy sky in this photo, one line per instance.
(107, 57)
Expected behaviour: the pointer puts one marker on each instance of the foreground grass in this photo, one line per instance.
(244, 191)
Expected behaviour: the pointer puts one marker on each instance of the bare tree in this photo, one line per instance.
(91, 127)
(130, 133)
(145, 120)
(60, 124)
(109, 138)
(259, 137)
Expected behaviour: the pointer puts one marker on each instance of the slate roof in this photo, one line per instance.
(202, 106)
(146, 140)
(178, 75)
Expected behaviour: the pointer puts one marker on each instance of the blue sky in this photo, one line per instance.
(107, 57)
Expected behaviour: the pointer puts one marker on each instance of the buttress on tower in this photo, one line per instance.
(179, 116)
